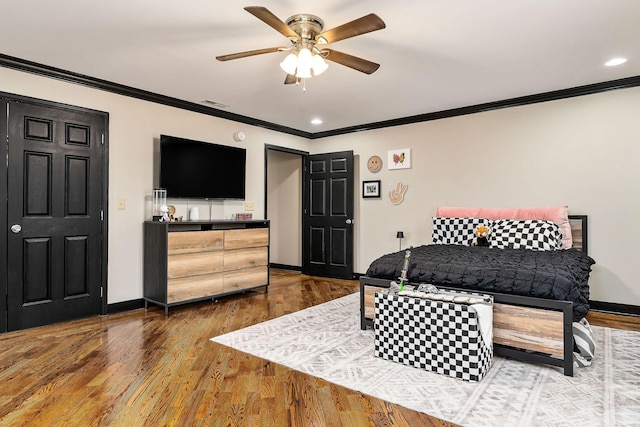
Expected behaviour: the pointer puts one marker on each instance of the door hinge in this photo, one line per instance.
(101, 215)
(103, 139)
(101, 291)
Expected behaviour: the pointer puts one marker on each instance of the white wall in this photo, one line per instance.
(284, 207)
(582, 152)
(133, 127)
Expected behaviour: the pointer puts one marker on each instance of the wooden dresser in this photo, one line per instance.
(199, 260)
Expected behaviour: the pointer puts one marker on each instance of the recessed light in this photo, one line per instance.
(316, 122)
(615, 61)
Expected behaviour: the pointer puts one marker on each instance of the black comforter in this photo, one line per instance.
(558, 275)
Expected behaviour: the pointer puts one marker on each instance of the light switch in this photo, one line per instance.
(121, 204)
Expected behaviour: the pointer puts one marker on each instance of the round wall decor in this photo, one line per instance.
(374, 164)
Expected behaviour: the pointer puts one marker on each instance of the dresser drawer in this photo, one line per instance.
(247, 278)
(245, 258)
(184, 289)
(246, 238)
(186, 242)
(184, 265)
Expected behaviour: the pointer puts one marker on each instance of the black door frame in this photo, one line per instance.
(4, 272)
(4, 96)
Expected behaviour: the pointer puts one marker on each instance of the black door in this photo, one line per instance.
(54, 225)
(327, 221)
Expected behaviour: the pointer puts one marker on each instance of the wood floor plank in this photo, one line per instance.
(599, 318)
(141, 368)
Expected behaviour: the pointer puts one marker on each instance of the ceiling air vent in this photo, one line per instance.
(215, 104)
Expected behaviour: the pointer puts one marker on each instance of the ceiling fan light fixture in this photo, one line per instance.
(305, 62)
(290, 64)
(303, 73)
(319, 65)
(305, 32)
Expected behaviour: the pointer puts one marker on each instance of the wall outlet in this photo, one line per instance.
(120, 204)
(248, 206)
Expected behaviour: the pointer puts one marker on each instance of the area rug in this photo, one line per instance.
(326, 341)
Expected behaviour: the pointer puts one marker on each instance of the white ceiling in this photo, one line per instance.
(434, 54)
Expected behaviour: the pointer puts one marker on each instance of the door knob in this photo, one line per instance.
(16, 228)
(349, 221)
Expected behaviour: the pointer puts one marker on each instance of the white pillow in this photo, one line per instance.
(533, 234)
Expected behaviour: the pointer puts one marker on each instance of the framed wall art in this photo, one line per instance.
(370, 189)
(399, 159)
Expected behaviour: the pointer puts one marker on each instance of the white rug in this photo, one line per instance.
(326, 341)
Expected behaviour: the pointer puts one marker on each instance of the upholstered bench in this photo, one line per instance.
(448, 337)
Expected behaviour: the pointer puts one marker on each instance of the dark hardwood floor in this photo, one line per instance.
(141, 368)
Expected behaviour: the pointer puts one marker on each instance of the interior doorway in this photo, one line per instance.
(283, 205)
(309, 201)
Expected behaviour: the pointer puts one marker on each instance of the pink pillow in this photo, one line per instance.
(557, 214)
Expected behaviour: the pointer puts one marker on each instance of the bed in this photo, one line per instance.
(531, 325)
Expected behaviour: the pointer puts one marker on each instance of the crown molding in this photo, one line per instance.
(95, 83)
(590, 89)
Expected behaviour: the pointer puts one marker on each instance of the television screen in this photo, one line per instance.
(195, 169)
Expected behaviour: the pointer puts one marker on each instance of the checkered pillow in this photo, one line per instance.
(456, 231)
(525, 234)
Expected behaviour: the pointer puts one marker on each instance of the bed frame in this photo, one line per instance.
(524, 328)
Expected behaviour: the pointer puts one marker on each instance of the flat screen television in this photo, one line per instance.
(200, 170)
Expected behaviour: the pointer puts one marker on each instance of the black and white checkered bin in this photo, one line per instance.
(439, 336)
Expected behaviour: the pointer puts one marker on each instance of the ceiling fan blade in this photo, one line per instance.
(351, 61)
(263, 14)
(366, 24)
(248, 53)
(290, 79)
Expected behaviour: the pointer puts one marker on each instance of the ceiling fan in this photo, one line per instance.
(307, 39)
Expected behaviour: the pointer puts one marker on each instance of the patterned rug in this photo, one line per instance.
(326, 341)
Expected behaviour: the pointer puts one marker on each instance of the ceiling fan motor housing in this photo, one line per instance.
(305, 26)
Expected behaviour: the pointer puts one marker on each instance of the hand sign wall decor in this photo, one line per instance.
(397, 196)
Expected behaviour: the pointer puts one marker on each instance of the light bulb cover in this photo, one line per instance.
(290, 64)
(303, 73)
(305, 57)
(319, 65)
(305, 61)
